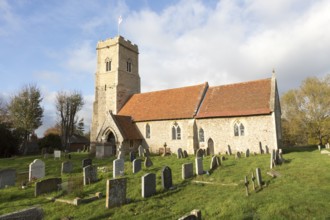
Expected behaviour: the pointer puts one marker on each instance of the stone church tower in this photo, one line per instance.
(116, 79)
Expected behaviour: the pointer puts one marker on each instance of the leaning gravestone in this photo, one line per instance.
(148, 162)
(116, 192)
(141, 151)
(137, 165)
(199, 165)
(187, 170)
(47, 186)
(199, 153)
(36, 169)
(148, 185)
(132, 156)
(214, 163)
(180, 153)
(34, 213)
(185, 154)
(7, 177)
(229, 150)
(118, 167)
(166, 177)
(57, 154)
(86, 162)
(259, 179)
(67, 167)
(90, 174)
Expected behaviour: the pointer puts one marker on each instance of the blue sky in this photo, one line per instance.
(52, 43)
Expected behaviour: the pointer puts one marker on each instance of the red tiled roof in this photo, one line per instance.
(127, 128)
(241, 99)
(177, 103)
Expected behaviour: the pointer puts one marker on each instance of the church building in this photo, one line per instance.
(238, 116)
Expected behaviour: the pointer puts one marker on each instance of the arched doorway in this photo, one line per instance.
(210, 147)
(111, 140)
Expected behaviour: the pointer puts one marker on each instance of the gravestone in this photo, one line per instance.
(141, 151)
(147, 152)
(67, 167)
(193, 215)
(180, 154)
(7, 177)
(116, 192)
(247, 153)
(277, 159)
(218, 161)
(267, 149)
(86, 162)
(214, 163)
(237, 155)
(47, 186)
(229, 150)
(118, 167)
(272, 159)
(148, 162)
(137, 165)
(148, 185)
(199, 165)
(280, 156)
(199, 153)
(187, 170)
(319, 146)
(90, 174)
(260, 148)
(132, 156)
(34, 213)
(57, 154)
(258, 175)
(185, 154)
(166, 175)
(36, 169)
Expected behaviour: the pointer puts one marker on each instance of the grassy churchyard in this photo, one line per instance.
(301, 191)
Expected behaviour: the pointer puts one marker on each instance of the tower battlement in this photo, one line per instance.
(117, 40)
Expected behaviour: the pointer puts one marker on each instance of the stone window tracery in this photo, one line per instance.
(239, 129)
(176, 132)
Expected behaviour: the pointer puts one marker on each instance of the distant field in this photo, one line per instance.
(302, 191)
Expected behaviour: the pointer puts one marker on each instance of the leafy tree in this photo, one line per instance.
(25, 111)
(67, 106)
(50, 142)
(306, 112)
(9, 141)
(3, 111)
(53, 130)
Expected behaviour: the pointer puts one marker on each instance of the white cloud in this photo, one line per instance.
(8, 20)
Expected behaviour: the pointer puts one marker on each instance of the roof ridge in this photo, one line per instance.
(184, 87)
(240, 83)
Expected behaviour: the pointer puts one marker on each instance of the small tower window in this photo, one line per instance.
(129, 65)
(201, 135)
(147, 131)
(107, 65)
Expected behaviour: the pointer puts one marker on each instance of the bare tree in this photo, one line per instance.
(67, 106)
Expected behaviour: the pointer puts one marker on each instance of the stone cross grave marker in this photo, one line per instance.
(90, 174)
(132, 156)
(259, 179)
(199, 165)
(141, 151)
(118, 167)
(7, 177)
(148, 162)
(86, 162)
(57, 154)
(187, 170)
(36, 169)
(148, 185)
(67, 167)
(166, 175)
(116, 192)
(137, 165)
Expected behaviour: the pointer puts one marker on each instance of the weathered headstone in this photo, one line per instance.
(148, 185)
(277, 158)
(57, 154)
(34, 213)
(132, 156)
(116, 192)
(319, 146)
(7, 177)
(180, 153)
(218, 161)
(90, 174)
(267, 149)
(260, 148)
(148, 162)
(199, 153)
(237, 155)
(187, 170)
(272, 159)
(86, 162)
(185, 154)
(67, 167)
(246, 183)
(247, 153)
(166, 175)
(36, 169)
(147, 152)
(253, 179)
(259, 179)
(214, 163)
(47, 186)
(137, 165)
(280, 156)
(118, 167)
(141, 151)
(199, 166)
(229, 150)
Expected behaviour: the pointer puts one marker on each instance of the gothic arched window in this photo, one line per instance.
(176, 132)
(147, 131)
(201, 135)
(239, 129)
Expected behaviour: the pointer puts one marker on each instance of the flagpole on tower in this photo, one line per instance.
(120, 19)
